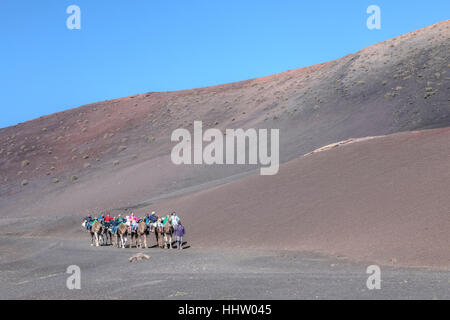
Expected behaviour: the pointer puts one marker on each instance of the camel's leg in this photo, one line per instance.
(160, 239)
(145, 241)
(96, 239)
(170, 242)
(92, 239)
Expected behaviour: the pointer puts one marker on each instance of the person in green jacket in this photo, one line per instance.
(166, 219)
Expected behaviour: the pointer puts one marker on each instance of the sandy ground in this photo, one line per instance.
(199, 274)
(383, 199)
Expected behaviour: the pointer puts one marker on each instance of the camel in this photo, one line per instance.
(96, 230)
(133, 237)
(107, 234)
(168, 232)
(140, 233)
(122, 232)
(159, 234)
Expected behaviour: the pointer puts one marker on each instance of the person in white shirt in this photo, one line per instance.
(174, 219)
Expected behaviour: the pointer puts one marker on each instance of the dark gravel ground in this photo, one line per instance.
(35, 268)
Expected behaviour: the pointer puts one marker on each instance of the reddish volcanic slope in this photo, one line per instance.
(114, 154)
(386, 200)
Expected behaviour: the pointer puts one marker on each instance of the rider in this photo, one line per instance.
(88, 220)
(174, 219)
(108, 218)
(114, 225)
(133, 221)
(153, 218)
(158, 224)
(166, 218)
(150, 221)
(179, 232)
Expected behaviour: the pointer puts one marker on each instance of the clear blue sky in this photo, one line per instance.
(126, 47)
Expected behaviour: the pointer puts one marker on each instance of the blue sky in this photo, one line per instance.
(127, 47)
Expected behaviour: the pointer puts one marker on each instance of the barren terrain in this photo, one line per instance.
(365, 175)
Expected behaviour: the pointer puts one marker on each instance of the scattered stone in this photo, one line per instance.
(139, 257)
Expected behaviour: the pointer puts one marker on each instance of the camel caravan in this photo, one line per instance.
(132, 231)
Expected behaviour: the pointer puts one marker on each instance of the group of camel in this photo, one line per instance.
(102, 235)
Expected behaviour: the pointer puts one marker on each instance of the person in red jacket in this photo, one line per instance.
(108, 218)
